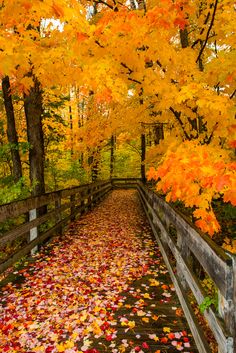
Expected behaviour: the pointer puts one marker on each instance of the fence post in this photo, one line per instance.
(185, 253)
(33, 231)
(82, 204)
(227, 307)
(58, 216)
(89, 195)
(72, 209)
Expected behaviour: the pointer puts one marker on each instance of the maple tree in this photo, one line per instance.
(124, 65)
(85, 78)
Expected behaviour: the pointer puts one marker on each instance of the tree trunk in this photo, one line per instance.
(94, 162)
(71, 132)
(185, 43)
(143, 156)
(11, 129)
(158, 134)
(95, 170)
(112, 156)
(33, 112)
(184, 38)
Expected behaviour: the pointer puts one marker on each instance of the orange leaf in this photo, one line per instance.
(27, 5)
(151, 174)
(81, 36)
(179, 312)
(180, 22)
(58, 10)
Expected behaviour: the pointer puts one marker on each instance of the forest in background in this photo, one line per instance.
(92, 89)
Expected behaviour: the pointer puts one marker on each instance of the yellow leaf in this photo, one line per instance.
(145, 319)
(96, 328)
(38, 349)
(61, 347)
(154, 282)
(69, 344)
(124, 323)
(131, 324)
(166, 329)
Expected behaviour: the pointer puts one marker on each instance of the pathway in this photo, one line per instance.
(102, 288)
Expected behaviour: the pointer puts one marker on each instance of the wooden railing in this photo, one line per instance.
(183, 246)
(60, 206)
(121, 183)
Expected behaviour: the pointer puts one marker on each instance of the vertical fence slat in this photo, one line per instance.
(33, 231)
(58, 215)
(72, 209)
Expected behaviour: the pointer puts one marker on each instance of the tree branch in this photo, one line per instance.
(104, 3)
(208, 32)
(130, 71)
(134, 148)
(177, 116)
(133, 80)
(100, 45)
(208, 140)
(232, 95)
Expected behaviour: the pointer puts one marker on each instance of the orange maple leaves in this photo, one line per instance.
(197, 174)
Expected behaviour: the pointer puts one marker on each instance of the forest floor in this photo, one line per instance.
(102, 287)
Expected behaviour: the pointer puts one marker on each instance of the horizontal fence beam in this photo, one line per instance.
(16, 208)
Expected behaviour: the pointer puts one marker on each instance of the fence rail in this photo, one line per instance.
(61, 207)
(182, 245)
(182, 252)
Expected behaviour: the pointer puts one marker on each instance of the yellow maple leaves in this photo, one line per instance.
(65, 345)
(130, 324)
(166, 329)
(145, 319)
(154, 282)
(229, 245)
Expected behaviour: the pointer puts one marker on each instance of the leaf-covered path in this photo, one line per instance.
(102, 288)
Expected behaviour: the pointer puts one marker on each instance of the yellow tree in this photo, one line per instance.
(163, 61)
(27, 29)
(179, 64)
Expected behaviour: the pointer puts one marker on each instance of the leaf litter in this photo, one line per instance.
(103, 287)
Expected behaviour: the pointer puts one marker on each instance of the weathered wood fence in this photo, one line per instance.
(61, 207)
(182, 246)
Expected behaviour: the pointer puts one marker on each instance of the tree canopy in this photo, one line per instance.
(110, 68)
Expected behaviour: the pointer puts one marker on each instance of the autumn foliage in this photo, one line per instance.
(201, 175)
(106, 68)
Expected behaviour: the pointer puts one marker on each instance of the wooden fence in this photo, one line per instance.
(182, 246)
(60, 206)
